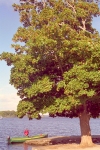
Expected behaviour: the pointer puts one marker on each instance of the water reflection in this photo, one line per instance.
(25, 146)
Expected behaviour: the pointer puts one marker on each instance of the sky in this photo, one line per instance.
(8, 27)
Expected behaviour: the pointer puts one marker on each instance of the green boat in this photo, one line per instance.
(23, 139)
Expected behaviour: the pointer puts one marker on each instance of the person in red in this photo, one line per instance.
(26, 132)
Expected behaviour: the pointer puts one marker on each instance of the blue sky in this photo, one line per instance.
(8, 27)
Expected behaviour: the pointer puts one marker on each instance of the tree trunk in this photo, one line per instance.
(86, 139)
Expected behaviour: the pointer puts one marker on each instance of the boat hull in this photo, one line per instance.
(23, 139)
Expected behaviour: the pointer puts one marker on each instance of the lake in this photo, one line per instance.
(58, 126)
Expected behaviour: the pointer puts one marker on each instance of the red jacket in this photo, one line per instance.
(26, 132)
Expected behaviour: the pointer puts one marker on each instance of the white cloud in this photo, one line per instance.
(8, 2)
(8, 98)
(1, 89)
(8, 101)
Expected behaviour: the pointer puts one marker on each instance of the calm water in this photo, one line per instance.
(53, 126)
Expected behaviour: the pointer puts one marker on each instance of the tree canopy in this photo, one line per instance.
(56, 69)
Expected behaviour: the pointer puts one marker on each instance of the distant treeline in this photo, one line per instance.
(8, 113)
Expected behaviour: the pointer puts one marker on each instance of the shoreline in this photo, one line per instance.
(61, 140)
(62, 143)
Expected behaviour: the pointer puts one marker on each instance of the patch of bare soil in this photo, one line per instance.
(66, 147)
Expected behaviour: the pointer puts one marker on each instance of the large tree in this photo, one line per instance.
(56, 69)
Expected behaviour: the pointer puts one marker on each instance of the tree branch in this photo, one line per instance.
(84, 26)
(44, 3)
(59, 62)
(69, 5)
